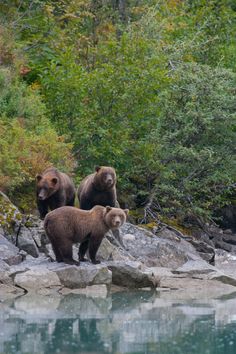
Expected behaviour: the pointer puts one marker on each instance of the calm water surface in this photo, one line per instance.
(133, 322)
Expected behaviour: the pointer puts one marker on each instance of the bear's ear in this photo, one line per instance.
(97, 168)
(38, 178)
(54, 180)
(126, 211)
(108, 208)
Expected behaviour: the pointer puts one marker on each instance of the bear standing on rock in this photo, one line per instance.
(53, 190)
(67, 225)
(98, 188)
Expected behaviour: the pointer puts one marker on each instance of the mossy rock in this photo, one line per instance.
(9, 214)
(176, 223)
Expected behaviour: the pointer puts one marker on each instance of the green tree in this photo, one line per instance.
(196, 134)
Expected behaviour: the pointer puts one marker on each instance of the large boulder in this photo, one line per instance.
(162, 250)
(132, 275)
(35, 279)
(84, 275)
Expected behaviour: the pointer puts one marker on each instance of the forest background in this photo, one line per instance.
(145, 86)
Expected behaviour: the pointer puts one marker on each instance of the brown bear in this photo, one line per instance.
(67, 225)
(98, 188)
(54, 189)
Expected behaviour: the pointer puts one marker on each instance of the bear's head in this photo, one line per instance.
(105, 177)
(46, 186)
(115, 217)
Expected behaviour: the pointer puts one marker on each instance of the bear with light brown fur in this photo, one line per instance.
(53, 190)
(99, 188)
(68, 225)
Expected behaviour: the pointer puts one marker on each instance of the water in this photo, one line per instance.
(124, 322)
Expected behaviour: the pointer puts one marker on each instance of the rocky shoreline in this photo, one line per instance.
(132, 258)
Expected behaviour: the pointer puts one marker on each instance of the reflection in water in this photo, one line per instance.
(125, 322)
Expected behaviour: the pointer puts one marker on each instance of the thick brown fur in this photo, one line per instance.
(98, 188)
(67, 225)
(53, 190)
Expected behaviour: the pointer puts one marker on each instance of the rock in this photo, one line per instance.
(162, 250)
(160, 272)
(131, 275)
(223, 245)
(128, 238)
(8, 291)
(35, 279)
(115, 237)
(10, 216)
(229, 231)
(223, 278)
(189, 288)
(5, 273)
(8, 252)
(86, 274)
(206, 251)
(229, 238)
(27, 243)
(107, 251)
(195, 267)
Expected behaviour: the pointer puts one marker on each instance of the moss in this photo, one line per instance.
(9, 214)
(150, 226)
(177, 224)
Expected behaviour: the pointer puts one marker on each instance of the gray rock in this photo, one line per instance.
(229, 237)
(86, 274)
(195, 267)
(108, 252)
(8, 291)
(190, 288)
(204, 249)
(162, 250)
(223, 245)
(223, 278)
(37, 278)
(5, 273)
(27, 243)
(132, 275)
(8, 252)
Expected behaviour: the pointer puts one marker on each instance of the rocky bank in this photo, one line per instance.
(131, 258)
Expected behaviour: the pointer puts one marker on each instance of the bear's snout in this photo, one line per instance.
(117, 222)
(109, 180)
(42, 195)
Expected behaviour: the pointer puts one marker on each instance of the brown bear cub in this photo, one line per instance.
(67, 225)
(53, 190)
(98, 188)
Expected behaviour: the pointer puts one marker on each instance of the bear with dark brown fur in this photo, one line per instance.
(53, 190)
(68, 225)
(99, 188)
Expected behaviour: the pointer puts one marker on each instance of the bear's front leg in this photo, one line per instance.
(42, 208)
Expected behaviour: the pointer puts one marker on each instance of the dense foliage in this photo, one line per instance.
(147, 87)
(28, 142)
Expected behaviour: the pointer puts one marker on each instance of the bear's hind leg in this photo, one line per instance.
(55, 247)
(57, 254)
(82, 250)
(66, 252)
(93, 248)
